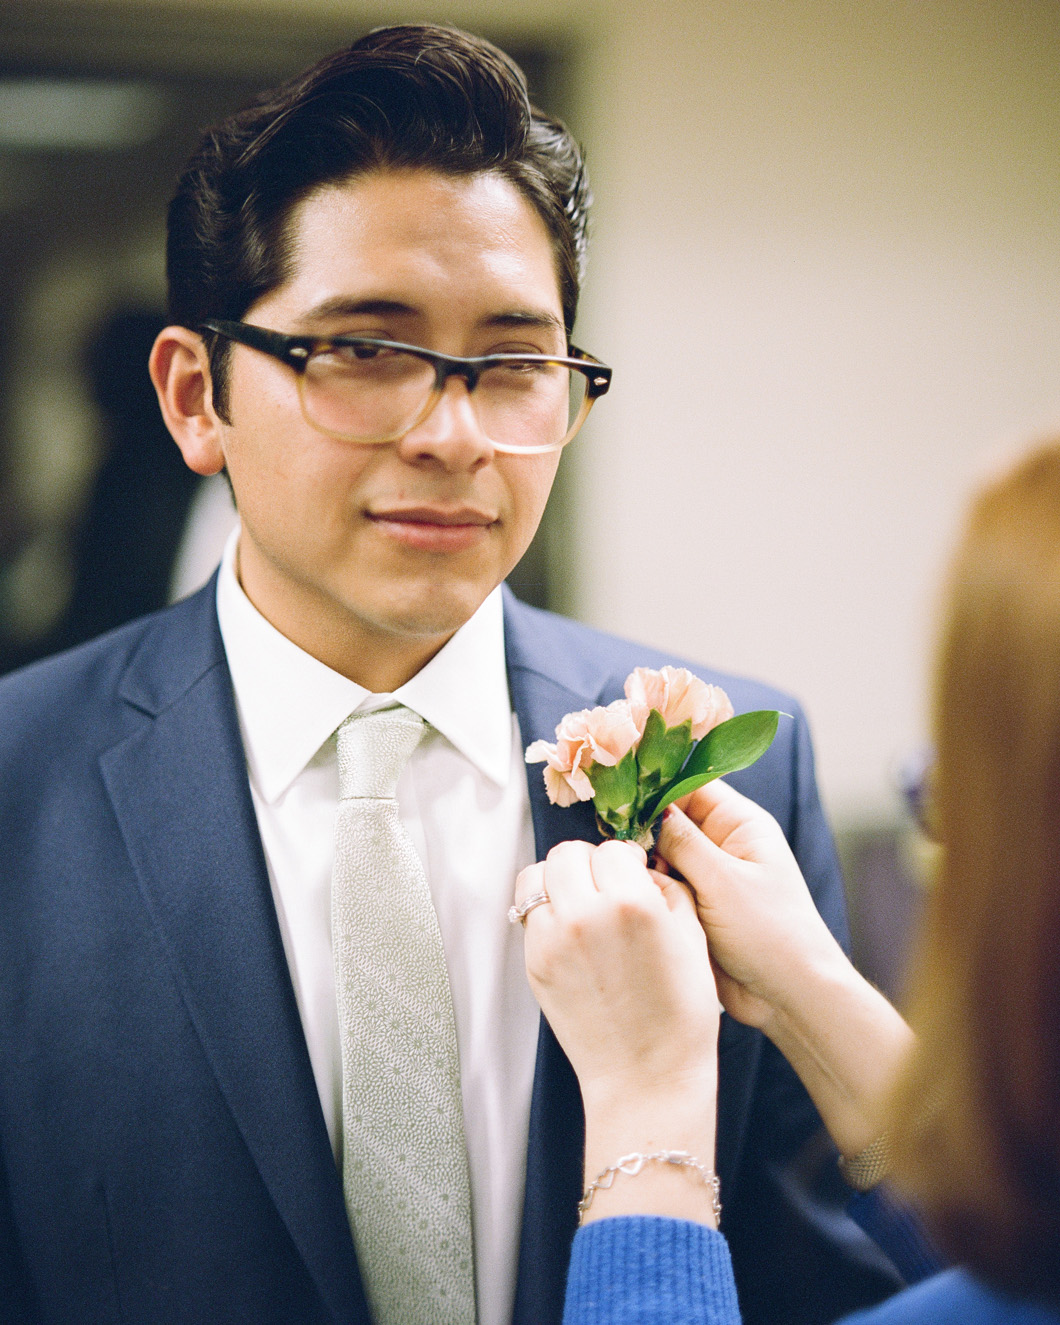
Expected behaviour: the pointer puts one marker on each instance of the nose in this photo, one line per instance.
(450, 435)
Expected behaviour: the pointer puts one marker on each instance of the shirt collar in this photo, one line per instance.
(290, 703)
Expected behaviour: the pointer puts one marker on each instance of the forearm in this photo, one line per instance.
(847, 1044)
(840, 1034)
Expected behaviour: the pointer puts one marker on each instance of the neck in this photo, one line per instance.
(383, 665)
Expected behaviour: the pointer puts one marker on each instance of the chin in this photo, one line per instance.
(431, 614)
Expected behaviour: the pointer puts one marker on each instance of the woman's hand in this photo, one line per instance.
(778, 966)
(619, 964)
(762, 927)
(618, 961)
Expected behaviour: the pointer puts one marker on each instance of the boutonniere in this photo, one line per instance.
(671, 734)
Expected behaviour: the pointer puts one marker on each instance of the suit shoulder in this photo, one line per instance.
(84, 667)
(76, 691)
(548, 642)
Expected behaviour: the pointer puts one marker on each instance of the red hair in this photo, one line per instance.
(980, 1106)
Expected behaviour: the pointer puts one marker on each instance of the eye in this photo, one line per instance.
(522, 367)
(339, 355)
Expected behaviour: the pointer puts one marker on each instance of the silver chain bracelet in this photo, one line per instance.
(631, 1165)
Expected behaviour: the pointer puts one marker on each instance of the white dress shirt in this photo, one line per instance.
(463, 799)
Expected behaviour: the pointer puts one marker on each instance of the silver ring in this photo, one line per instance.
(521, 912)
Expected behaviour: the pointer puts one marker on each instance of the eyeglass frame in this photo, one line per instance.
(296, 352)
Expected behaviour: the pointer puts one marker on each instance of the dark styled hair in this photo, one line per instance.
(411, 95)
(977, 1137)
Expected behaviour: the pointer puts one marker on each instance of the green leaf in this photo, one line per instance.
(725, 749)
(662, 750)
(614, 788)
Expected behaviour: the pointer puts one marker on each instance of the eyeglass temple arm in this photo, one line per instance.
(291, 350)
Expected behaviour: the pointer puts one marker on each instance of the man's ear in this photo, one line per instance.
(180, 370)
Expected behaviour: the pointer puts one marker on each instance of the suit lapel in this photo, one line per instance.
(180, 792)
(545, 684)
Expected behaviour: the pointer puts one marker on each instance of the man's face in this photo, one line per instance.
(351, 549)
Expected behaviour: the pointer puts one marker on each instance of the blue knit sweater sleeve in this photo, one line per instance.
(643, 1270)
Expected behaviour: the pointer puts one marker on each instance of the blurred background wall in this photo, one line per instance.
(826, 271)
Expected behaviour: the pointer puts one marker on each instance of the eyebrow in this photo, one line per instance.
(519, 317)
(344, 306)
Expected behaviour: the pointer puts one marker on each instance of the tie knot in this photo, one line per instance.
(374, 748)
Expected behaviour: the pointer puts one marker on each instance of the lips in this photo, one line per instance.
(464, 515)
(434, 529)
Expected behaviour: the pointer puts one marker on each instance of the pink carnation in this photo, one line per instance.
(590, 736)
(679, 696)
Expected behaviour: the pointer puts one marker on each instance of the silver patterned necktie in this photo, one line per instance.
(404, 1164)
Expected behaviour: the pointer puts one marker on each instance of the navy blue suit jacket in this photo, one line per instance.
(163, 1155)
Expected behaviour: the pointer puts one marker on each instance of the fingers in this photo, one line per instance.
(719, 810)
(565, 876)
(577, 876)
(620, 870)
(569, 878)
(742, 829)
(691, 852)
(529, 882)
(677, 894)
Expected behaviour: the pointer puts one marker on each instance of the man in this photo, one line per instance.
(250, 1072)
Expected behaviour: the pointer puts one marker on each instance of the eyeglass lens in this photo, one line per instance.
(367, 393)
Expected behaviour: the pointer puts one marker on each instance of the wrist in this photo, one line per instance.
(675, 1184)
(815, 984)
(674, 1116)
(636, 1103)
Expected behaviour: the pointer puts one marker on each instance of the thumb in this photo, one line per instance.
(699, 860)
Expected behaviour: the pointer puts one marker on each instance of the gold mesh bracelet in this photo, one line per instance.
(869, 1166)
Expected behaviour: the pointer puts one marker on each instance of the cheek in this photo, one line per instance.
(289, 472)
(529, 480)
(263, 396)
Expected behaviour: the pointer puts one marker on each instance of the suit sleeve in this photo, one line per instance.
(899, 1231)
(811, 838)
(799, 1258)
